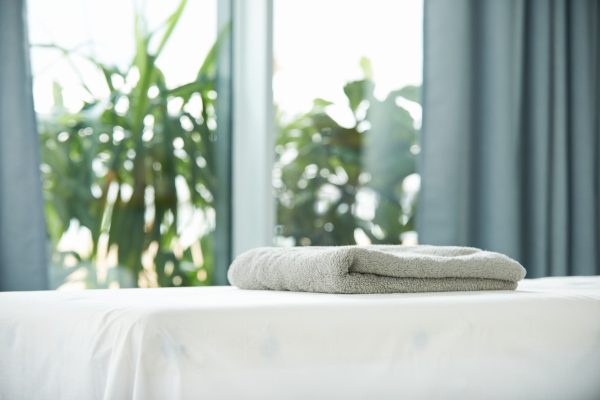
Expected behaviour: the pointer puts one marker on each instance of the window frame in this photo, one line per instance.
(253, 127)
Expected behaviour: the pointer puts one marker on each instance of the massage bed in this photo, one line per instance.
(541, 341)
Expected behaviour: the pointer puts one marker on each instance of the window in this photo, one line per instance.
(128, 102)
(133, 103)
(346, 87)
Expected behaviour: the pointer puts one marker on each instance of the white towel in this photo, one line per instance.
(374, 269)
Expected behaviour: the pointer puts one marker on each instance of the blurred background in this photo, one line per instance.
(146, 143)
(128, 151)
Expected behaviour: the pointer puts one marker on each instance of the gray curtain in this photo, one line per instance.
(511, 132)
(22, 228)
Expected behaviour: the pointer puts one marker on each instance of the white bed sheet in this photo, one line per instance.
(540, 342)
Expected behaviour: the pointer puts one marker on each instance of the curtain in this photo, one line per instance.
(511, 133)
(22, 227)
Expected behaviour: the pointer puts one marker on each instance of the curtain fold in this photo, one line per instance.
(511, 133)
(22, 225)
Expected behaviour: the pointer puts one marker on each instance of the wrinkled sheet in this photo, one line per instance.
(539, 342)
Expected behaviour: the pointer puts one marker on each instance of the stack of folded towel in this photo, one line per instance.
(375, 269)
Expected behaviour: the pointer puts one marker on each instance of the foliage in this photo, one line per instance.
(324, 169)
(127, 165)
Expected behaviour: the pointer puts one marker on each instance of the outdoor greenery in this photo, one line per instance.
(127, 166)
(323, 169)
(136, 170)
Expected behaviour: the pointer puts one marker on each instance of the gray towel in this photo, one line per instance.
(374, 269)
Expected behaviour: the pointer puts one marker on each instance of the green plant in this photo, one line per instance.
(322, 169)
(128, 164)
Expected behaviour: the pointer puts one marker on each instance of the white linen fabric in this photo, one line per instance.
(541, 341)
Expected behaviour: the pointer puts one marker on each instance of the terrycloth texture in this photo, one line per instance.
(374, 269)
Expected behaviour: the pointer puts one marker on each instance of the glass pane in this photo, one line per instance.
(126, 98)
(346, 86)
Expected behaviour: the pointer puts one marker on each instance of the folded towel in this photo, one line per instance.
(374, 269)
